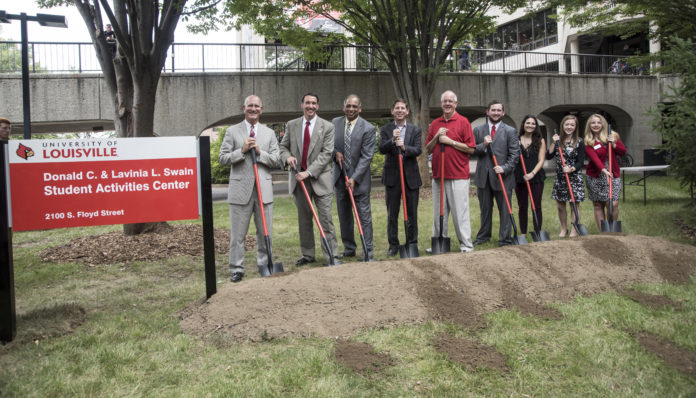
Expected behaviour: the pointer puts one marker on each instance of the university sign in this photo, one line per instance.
(83, 182)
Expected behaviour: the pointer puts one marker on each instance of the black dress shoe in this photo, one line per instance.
(237, 276)
(392, 251)
(347, 254)
(480, 242)
(303, 261)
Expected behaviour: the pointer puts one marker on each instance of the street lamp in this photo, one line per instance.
(55, 21)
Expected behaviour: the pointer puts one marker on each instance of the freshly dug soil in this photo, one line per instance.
(457, 288)
(470, 353)
(653, 301)
(360, 357)
(681, 359)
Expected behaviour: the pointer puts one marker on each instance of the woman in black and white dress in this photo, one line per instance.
(574, 155)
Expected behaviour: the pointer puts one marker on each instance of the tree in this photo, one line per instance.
(144, 32)
(675, 118)
(413, 37)
(625, 18)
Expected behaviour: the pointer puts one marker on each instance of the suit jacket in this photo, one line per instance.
(242, 179)
(362, 148)
(506, 148)
(321, 148)
(412, 144)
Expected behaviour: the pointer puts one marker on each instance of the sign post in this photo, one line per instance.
(8, 320)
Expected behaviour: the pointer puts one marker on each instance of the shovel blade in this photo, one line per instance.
(264, 271)
(519, 240)
(277, 267)
(615, 226)
(408, 251)
(540, 236)
(440, 245)
(604, 225)
(581, 230)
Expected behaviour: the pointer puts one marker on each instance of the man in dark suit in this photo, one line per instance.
(308, 146)
(354, 147)
(504, 143)
(397, 137)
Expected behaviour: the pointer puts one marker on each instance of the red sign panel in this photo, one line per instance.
(74, 183)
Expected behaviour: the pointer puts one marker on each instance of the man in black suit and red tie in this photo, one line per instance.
(395, 137)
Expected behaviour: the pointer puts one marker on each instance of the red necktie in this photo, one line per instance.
(305, 147)
(251, 133)
(493, 131)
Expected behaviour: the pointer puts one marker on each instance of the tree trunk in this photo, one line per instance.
(422, 119)
(142, 97)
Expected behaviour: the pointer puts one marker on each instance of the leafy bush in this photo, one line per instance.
(675, 117)
(219, 174)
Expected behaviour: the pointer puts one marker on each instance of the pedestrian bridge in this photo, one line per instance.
(188, 103)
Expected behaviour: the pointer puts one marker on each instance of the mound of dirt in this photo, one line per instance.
(108, 248)
(457, 288)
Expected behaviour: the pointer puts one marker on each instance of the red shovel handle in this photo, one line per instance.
(563, 164)
(502, 186)
(311, 207)
(529, 189)
(403, 190)
(258, 191)
(352, 201)
(442, 179)
(611, 176)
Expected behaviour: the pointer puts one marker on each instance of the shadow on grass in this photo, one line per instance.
(43, 323)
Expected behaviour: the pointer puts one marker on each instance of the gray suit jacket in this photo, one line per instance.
(242, 171)
(321, 148)
(362, 148)
(506, 148)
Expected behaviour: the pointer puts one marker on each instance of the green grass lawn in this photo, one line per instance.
(130, 343)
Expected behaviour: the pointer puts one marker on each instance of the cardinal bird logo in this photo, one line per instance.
(24, 152)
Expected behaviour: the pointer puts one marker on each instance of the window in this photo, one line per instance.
(529, 33)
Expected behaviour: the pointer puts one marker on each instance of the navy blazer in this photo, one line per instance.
(412, 143)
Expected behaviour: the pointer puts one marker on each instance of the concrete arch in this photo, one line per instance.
(620, 120)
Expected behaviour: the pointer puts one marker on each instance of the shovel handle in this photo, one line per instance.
(502, 186)
(311, 207)
(442, 180)
(403, 189)
(258, 190)
(563, 164)
(610, 203)
(352, 200)
(529, 189)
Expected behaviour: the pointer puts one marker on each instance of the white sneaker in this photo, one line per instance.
(429, 250)
(466, 250)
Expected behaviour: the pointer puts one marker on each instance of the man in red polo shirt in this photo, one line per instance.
(454, 132)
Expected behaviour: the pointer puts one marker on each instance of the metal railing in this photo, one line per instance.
(74, 57)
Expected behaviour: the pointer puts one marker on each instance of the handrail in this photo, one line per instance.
(80, 57)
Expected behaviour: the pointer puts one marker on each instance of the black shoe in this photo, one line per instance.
(347, 254)
(237, 276)
(392, 251)
(303, 261)
(480, 242)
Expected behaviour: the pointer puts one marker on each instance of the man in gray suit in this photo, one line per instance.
(503, 140)
(308, 146)
(353, 149)
(242, 195)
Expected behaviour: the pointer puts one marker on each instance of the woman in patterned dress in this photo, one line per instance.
(574, 155)
(597, 139)
(532, 148)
